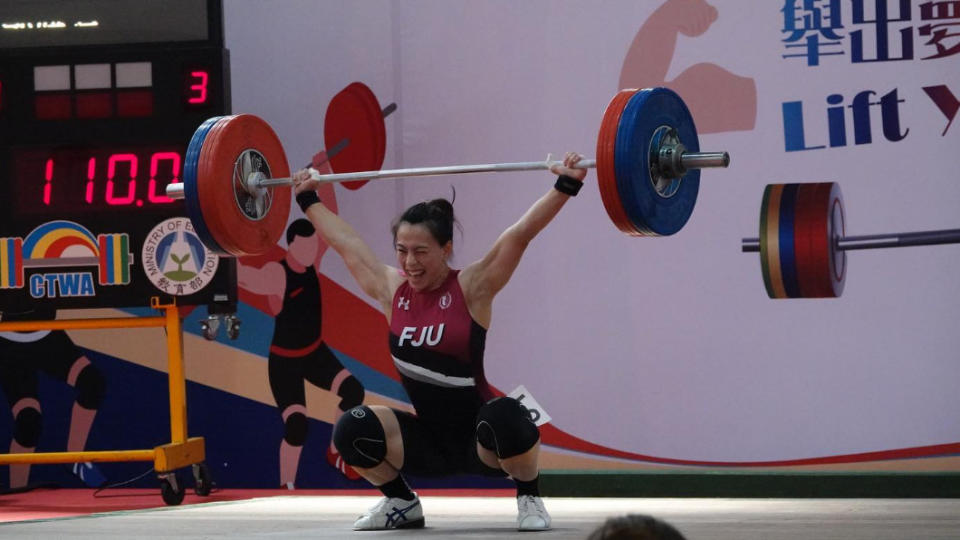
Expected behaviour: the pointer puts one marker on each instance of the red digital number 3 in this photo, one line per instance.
(198, 91)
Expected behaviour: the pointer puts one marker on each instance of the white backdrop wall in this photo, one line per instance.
(666, 347)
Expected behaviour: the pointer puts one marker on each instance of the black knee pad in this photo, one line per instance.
(91, 387)
(359, 438)
(27, 427)
(351, 393)
(504, 426)
(295, 429)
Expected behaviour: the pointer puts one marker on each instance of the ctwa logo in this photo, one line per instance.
(64, 244)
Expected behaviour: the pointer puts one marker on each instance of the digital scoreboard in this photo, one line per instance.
(98, 101)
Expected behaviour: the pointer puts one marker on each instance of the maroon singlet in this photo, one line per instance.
(437, 348)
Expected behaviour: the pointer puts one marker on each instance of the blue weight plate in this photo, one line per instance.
(191, 195)
(648, 110)
(788, 256)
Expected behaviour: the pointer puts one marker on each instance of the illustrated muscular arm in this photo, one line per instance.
(703, 85)
(651, 52)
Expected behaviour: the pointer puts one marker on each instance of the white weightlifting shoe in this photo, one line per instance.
(392, 513)
(531, 514)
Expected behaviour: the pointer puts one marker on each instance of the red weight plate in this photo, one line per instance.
(807, 241)
(355, 114)
(235, 231)
(213, 198)
(606, 173)
(818, 234)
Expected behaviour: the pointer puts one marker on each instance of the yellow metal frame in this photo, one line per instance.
(182, 451)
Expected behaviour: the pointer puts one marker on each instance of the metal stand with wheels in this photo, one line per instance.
(182, 451)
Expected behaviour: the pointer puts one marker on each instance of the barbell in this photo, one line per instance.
(803, 244)
(236, 180)
(113, 261)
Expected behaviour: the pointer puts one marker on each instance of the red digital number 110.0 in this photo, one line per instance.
(116, 194)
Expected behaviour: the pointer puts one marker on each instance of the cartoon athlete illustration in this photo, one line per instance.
(718, 99)
(22, 356)
(298, 352)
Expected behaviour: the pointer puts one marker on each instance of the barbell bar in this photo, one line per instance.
(879, 241)
(257, 180)
(648, 173)
(803, 245)
(690, 160)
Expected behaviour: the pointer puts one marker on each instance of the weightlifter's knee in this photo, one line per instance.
(359, 437)
(504, 427)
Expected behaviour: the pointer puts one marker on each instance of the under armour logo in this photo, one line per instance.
(403, 304)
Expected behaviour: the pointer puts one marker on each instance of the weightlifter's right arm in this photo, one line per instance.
(374, 277)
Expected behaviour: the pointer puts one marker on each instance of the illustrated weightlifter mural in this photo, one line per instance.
(298, 354)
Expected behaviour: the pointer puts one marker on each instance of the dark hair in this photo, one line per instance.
(300, 227)
(435, 215)
(635, 527)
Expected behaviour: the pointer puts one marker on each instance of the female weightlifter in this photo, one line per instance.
(438, 319)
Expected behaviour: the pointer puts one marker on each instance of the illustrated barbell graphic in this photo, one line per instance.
(113, 261)
(236, 181)
(803, 243)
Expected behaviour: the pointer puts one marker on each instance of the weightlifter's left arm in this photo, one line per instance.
(483, 279)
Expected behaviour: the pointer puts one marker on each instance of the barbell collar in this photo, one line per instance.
(878, 241)
(705, 160)
(175, 190)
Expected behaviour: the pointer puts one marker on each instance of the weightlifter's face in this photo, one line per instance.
(421, 257)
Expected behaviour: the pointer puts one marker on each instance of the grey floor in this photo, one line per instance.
(493, 517)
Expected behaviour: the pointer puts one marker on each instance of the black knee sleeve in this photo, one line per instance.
(351, 393)
(27, 427)
(504, 427)
(91, 387)
(359, 438)
(295, 429)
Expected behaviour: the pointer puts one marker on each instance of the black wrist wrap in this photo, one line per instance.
(568, 185)
(306, 199)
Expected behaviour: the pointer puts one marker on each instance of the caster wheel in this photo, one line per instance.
(203, 481)
(210, 328)
(171, 490)
(233, 327)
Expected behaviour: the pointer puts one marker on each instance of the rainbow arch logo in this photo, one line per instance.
(58, 239)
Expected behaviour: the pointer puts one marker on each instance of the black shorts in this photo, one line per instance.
(318, 367)
(441, 449)
(53, 354)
